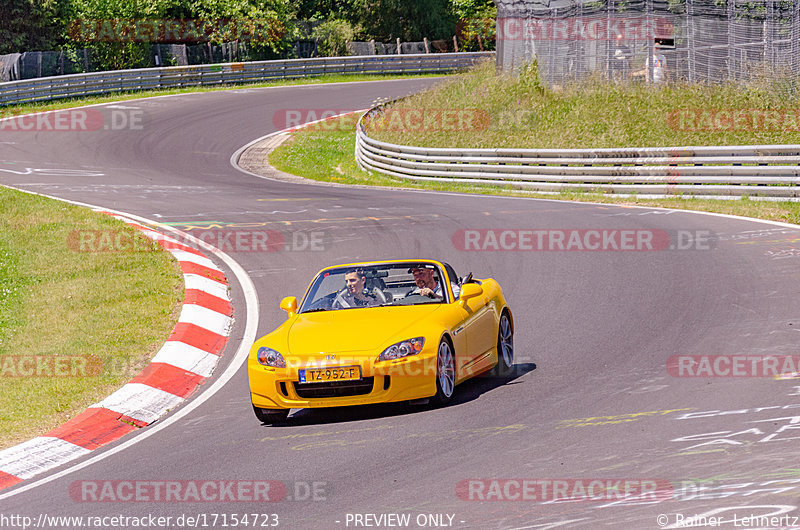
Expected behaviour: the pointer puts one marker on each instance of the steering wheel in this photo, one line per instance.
(339, 302)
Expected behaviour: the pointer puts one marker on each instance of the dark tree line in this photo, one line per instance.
(42, 25)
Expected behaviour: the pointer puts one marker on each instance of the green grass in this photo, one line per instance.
(518, 112)
(325, 153)
(25, 108)
(58, 302)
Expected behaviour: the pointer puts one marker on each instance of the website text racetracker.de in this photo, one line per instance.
(73, 120)
(563, 490)
(582, 239)
(196, 520)
(190, 491)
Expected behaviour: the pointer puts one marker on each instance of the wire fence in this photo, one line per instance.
(650, 40)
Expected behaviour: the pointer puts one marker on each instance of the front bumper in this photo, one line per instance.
(381, 382)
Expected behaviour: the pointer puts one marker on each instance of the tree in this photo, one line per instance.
(30, 25)
(476, 23)
(327, 10)
(411, 20)
(464, 9)
(260, 22)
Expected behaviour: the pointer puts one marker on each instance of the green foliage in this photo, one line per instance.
(120, 55)
(464, 9)
(30, 25)
(528, 79)
(386, 20)
(476, 22)
(116, 55)
(333, 37)
(326, 10)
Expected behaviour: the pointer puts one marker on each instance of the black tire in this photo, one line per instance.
(445, 373)
(270, 416)
(505, 347)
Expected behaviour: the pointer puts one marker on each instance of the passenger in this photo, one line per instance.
(427, 284)
(354, 294)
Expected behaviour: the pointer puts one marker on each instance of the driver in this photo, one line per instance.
(427, 284)
(354, 294)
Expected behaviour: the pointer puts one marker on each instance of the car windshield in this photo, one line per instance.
(391, 284)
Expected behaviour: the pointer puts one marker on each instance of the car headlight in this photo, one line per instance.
(402, 349)
(269, 357)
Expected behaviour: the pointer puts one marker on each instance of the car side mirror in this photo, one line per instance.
(469, 290)
(289, 304)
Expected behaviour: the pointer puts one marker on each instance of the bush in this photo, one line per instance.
(333, 36)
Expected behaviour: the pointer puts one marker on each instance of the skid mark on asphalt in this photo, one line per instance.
(461, 434)
(616, 419)
(212, 225)
(298, 199)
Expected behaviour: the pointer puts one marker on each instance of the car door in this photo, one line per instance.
(479, 326)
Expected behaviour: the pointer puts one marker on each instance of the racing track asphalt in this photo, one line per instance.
(593, 333)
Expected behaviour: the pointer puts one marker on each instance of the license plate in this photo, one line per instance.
(321, 375)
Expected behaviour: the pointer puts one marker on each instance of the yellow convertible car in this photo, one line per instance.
(383, 331)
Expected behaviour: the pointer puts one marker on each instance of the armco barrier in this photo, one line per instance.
(756, 170)
(64, 86)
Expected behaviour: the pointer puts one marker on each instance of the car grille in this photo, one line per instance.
(329, 389)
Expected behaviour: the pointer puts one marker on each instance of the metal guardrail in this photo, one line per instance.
(714, 171)
(64, 86)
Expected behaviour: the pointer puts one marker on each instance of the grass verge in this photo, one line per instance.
(519, 112)
(325, 153)
(96, 318)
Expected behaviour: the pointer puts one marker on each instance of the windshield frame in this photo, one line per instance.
(440, 273)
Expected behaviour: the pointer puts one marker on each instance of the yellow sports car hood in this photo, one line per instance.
(354, 330)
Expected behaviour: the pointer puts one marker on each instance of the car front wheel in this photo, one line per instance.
(445, 373)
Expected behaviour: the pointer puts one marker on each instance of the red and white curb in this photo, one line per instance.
(186, 360)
